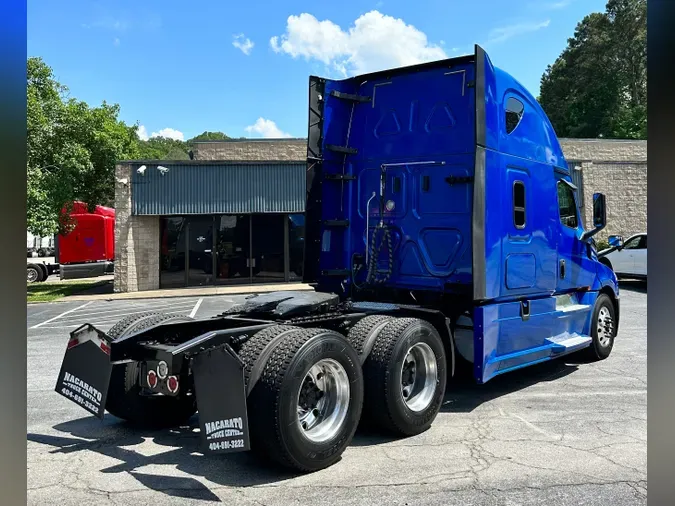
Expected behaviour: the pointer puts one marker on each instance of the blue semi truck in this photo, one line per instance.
(442, 225)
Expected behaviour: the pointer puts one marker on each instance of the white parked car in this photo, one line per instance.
(629, 258)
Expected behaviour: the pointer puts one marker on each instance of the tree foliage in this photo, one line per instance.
(163, 148)
(598, 85)
(72, 150)
(210, 136)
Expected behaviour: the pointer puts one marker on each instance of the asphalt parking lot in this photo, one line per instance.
(563, 432)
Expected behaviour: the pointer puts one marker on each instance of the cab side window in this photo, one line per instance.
(567, 206)
(639, 242)
(514, 113)
(519, 204)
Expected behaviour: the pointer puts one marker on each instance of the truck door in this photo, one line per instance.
(575, 267)
(641, 257)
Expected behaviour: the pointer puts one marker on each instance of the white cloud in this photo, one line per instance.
(142, 133)
(266, 128)
(243, 43)
(506, 32)
(169, 133)
(116, 41)
(374, 42)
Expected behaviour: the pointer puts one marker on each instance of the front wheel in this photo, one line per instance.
(603, 328)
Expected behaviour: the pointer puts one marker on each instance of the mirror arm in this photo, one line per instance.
(590, 233)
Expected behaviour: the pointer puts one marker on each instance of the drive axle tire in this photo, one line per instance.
(603, 329)
(251, 351)
(405, 377)
(124, 392)
(362, 334)
(306, 405)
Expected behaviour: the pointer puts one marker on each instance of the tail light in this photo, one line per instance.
(172, 384)
(152, 378)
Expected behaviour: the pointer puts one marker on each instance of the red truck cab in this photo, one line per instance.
(89, 249)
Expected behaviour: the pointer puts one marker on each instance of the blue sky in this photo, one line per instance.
(179, 67)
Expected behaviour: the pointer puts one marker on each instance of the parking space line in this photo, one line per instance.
(101, 322)
(62, 314)
(194, 310)
(136, 309)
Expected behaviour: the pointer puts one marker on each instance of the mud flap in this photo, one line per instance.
(86, 368)
(221, 400)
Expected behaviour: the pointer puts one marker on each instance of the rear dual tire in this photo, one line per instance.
(405, 372)
(306, 403)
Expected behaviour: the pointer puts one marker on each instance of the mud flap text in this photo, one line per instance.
(85, 372)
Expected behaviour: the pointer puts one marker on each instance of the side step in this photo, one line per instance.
(567, 343)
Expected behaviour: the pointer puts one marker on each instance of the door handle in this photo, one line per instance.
(562, 269)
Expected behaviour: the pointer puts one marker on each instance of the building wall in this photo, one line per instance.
(136, 241)
(252, 149)
(617, 168)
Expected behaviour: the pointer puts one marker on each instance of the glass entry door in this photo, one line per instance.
(200, 250)
(268, 248)
(172, 252)
(233, 248)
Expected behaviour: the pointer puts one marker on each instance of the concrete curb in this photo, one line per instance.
(191, 292)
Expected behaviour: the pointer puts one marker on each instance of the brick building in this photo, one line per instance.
(234, 214)
(617, 168)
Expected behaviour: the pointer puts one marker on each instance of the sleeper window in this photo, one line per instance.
(519, 204)
(514, 113)
(567, 205)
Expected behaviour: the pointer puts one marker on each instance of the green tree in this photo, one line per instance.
(597, 86)
(163, 148)
(72, 150)
(210, 136)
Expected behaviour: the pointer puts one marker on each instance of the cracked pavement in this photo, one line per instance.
(563, 432)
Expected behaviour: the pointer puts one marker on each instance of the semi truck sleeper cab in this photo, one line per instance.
(442, 225)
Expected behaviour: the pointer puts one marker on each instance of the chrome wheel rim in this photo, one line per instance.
(605, 327)
(32, 275)
(419, 376)
(323, 400)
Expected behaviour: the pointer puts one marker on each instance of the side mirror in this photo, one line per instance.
(615, 241)
(599, 216)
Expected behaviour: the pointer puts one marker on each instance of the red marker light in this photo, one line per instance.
(172, 384)
(73, 342)
(152, 379)
(105, 348)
